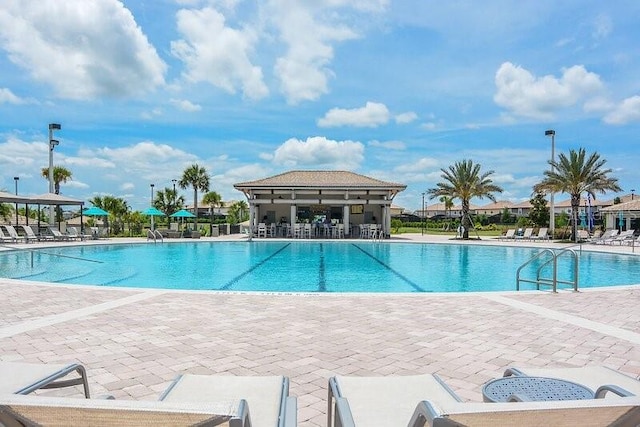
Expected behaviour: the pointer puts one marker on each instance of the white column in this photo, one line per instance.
(293, 212)
(345, 219)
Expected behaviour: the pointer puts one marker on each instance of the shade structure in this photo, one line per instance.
(95, 211)
(182, 214)
(153, 212)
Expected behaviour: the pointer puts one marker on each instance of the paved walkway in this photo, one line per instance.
(133, 342)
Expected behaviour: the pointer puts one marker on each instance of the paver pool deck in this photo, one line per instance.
(133, 342)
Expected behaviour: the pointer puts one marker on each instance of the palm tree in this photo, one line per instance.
(576, 174)
(117, 208)
(238, 212)
(167, 201)
(464, 181)
(448, 204)
(212, 199)
(195, 176)
(60, 175)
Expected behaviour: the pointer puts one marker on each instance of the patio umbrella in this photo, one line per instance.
(152, 212)
(183, 214)
(94, 211)
(583, 222)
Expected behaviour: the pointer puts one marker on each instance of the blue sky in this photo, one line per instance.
(395, 90)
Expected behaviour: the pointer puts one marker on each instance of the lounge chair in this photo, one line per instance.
(594, 377)
(622, 237)
(25, 378)
(57, 235)
(13, 234)
(30, 235)
(189, 400)
(568, 413)
(266, 398)
(72, 232)
(509, 235)
(382, 401)
(606, 236)
(528, 232)
(543, 234)
(5, 238)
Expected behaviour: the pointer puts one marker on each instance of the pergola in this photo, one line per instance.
(299, 196)
(42, 199)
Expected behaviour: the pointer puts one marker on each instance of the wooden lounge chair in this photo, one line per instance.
(382, 401)
(594, 377)
(190, 400)
(568, 413)
(25, 378)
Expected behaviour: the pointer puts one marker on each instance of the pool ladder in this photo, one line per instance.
(552, 281)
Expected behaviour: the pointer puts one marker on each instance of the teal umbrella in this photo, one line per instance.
(182, 214)
(152, 212)
(95, 211)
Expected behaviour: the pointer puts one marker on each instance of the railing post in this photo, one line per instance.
(555, 272)
(31, 259)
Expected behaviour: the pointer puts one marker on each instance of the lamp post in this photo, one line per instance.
(152, 185)
(16, 178)
(423, 214)
(52, 144)
(632, 192)
(175, 199)
(552, 213)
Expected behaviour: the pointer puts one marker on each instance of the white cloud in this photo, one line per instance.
(422, 165)
(186, 105)
(526, 95)
(319, 152)
(81, 49)
(373, 114)
(405, 118)
(389, 145)
(8, 97)
(627, 111)
(215, 53)
(309, 30)
(126, 186)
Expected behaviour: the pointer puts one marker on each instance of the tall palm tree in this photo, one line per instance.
(60, 175)
(168, 201)
(238, 212)
(117, 208)
(195, 176)
(575, 174)
(463, 181)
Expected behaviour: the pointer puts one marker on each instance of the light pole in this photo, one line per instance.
(632, 191)
(152, 185)
(16, 178)
(52, 144)
(423, 214)
(175, 200)
(552, 213)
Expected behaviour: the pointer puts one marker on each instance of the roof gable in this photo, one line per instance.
(319, 179)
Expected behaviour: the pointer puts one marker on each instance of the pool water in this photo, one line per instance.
(308, 266)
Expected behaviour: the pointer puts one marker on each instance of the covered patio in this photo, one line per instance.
(283, 202)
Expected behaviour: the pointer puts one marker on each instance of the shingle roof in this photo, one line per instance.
(319, 179)
(631, 205)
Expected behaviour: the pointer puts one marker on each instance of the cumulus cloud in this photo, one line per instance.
(526, 95)
(373, 114)
(81, 49)
(8, 97)
(319, 152)
(421, 165)
(218, 54)
(405, 118)
(627, 111)
(16, 153)
(186, 105)
(309, 30)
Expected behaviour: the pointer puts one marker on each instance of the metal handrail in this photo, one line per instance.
(554, 279)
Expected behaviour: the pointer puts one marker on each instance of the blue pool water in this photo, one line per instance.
(307, 266)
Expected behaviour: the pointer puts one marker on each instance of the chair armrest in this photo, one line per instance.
(343, 414)
(424, 414)
(603, 389)
(290, 413)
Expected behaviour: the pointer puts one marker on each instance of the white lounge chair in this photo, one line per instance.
(509, 235)
(267, 397)
(6, 238)
(543, 234)
(57, 235)
(13, 234)
(189, 400)
(25, 378)
(72, 232)
(593, 377)
(31, 236)
(568, 413)
(606, 236)
(382, 401)
(528, 232)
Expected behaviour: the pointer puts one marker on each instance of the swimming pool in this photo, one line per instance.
(306, 266)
